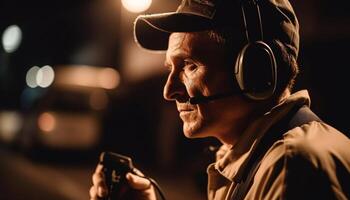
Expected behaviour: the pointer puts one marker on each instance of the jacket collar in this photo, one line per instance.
(231, 165)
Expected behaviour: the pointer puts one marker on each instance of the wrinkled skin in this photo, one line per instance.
(198, 67)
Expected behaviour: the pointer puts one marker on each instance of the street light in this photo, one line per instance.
(136, 6)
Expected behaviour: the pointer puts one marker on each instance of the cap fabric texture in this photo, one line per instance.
(278, 21)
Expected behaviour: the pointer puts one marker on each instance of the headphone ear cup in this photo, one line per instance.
(256, 71)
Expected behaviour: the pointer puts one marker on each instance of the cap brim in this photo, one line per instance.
(152, 31)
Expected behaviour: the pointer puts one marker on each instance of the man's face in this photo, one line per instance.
(198, 67)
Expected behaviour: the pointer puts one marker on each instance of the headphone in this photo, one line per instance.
(255, 68)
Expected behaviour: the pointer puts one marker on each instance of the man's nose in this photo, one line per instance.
(174, 89)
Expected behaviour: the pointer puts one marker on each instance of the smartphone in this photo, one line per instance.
(115, 167)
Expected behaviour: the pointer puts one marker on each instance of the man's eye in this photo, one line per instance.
(187, 62)
(188, 65)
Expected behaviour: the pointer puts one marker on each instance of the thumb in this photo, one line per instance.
(137, 182)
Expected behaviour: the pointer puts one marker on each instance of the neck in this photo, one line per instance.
(234, 130)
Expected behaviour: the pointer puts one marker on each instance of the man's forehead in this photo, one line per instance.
(187, 40)
(198, 46)
(191, 43)
(178, 41)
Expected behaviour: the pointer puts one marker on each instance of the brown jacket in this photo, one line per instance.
(310, 162)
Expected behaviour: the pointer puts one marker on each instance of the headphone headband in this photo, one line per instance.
(256, 67)
(251, 15)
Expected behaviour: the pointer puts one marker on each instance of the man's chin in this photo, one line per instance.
(192, 132)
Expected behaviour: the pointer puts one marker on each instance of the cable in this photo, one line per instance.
(152, 181)
(114, 162)
(156, 185)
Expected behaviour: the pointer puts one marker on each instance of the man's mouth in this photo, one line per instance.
(184, 109)
(185, 112)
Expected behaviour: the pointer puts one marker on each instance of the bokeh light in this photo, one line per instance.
(11, 38)
(10, 125)
(45, 76)
(108, 78)
(42, 77)
(87, 76)
(32, 76)
(136, 6)
(46, 122)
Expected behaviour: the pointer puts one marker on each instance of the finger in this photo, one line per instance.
(137, 182)
(97, 191)
(99, 184)
(93, 193)
(99, 168)
(102, 191)
(98, 174)
(98, 179)
(138, 172)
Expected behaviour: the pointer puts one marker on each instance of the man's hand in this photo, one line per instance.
(142, 188)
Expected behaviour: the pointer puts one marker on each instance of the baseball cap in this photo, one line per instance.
(278, 20)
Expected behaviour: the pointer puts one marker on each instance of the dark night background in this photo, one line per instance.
(134, 119)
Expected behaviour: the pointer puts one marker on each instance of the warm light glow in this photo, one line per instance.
(136, 6)
(70, 130)
(11, 38)
(108, 78)
(10, 124)
(32, 76)
(45, 76)
(139, 65)
(47, 122)
(87, 76)
(98, 99)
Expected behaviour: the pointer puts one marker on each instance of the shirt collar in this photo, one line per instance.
(229, 165)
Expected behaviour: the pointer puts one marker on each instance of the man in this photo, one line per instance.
(232, 66)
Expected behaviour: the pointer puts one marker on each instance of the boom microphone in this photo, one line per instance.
(206, 99)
